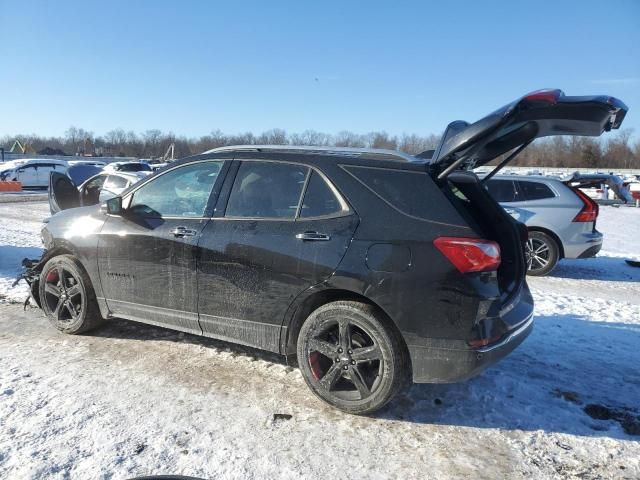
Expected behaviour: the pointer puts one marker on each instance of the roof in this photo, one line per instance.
(363, 153)
(535, 178)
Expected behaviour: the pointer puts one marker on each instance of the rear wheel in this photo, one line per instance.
(542, 253)
(350, 358)
(67, 297)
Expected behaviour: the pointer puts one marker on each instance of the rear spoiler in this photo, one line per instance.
(538, 114)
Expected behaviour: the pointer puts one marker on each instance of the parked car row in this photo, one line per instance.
(32, 172)
(35, 172)
(370, 268)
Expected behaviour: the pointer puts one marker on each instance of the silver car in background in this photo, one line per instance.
(560, 218)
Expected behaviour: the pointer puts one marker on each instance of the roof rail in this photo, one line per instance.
(341, 151)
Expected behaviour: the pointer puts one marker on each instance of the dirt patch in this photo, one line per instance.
(628, 419)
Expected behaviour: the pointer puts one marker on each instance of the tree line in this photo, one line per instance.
(614, 150)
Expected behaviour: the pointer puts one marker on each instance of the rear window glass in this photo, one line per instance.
(134, 167)
(403, 190)
(319, 199)
(535, 190)
(502, 190)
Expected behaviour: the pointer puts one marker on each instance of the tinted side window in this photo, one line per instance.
(535, 190)
(320, 200)
(502, 190)
(404, 190)
(182, 192)
(266, 190)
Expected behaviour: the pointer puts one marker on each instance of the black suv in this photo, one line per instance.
(372, 268)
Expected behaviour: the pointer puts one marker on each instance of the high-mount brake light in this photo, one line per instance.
(589, 211)
(546, 96)
(470, 254)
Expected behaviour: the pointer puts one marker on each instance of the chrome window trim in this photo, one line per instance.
(343, 202)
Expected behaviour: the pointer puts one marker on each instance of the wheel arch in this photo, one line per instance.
(553, 235)
(48, 255)
(314, 300)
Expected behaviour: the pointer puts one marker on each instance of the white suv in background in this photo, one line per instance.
(31, 172)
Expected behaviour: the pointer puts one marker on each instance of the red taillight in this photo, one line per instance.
(589, 211)
(470, 254)
(547, 96)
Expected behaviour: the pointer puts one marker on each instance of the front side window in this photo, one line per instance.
(182, 192)
(320, 200)
(266, 190)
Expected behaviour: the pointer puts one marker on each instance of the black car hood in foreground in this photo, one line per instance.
(538, 114)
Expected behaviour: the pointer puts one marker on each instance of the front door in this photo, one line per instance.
(284, 230)
(28, 176)
(147, 255)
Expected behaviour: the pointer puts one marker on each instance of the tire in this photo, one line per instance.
(351, 358)
(67, 297)
(542, 253)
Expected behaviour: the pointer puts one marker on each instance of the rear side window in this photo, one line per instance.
(403, 190)
(320, 200)
(503, 191)
(535, 190)
(266, 190)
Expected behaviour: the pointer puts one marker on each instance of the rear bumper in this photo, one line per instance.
(449, 361)
(582, 245)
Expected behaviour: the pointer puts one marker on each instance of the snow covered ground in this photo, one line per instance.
(131, 399)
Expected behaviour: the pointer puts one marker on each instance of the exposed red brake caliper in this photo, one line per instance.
(52, 276)
(314, 363)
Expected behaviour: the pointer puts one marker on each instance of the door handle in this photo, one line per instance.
(313, 236)
(181, 232)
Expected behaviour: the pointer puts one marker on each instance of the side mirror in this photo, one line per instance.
(113, 206)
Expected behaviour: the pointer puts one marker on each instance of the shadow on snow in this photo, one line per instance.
(597, 268)
(567, 367)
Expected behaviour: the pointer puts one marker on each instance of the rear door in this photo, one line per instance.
(284, 229)
(44, 171)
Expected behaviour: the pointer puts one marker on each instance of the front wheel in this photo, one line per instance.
(542, 253)
(67, 297)
(351, 358)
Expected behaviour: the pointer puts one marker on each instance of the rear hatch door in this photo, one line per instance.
(614, 182)
(538, 114)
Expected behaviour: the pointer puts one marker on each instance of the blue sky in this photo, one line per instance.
(192, 67)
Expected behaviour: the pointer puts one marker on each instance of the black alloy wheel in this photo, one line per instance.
(350, 358)
(67, 297)
(62, 295)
